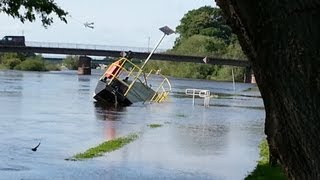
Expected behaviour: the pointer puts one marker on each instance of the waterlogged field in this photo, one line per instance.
(176, 140)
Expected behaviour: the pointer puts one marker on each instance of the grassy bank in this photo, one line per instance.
(105, 147)
(264, 171)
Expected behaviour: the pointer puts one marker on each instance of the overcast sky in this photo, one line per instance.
(116, 22)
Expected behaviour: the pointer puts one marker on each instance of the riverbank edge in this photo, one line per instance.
(263, 170)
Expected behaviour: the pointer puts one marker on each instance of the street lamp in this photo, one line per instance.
(166, 31)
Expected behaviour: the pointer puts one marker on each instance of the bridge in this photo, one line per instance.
(114, 51)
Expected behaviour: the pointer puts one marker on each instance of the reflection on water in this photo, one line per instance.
(84, 84)
(57, 108)
(109, 113)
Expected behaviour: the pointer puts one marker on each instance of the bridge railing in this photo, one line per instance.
(90, 46)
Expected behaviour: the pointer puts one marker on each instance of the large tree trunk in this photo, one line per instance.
(282, 40)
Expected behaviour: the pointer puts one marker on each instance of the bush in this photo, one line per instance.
(31, 65)
(3, 67)
(71, 62)
(225, 73)
(11, 63)
(9, 60)
(52, 67)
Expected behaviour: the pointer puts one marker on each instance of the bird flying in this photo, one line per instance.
(89, 25)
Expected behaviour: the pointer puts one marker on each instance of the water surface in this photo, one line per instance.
(57, 109)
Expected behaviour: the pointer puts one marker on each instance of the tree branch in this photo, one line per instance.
(26, 10)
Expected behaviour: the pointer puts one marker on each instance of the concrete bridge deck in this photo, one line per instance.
(114, 51)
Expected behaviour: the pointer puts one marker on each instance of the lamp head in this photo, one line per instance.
(166, 30)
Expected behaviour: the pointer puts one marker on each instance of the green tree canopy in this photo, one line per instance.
(207, 21)
(26, 10)
(205, 32)
(201, 45)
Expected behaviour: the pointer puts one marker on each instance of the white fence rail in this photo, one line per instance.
(202, 93)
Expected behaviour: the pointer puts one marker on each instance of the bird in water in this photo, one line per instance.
(35, 148)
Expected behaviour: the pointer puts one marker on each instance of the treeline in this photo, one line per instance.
(196, 70)
(18, 61)
(203, 32)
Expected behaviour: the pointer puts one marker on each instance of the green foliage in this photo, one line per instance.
(234, 51)
(32, 64)
(19, 61)
(207, 21)
(264, 171)
(20, 56)
(225, 73)
(107, 146)
(26, 10)
(195, 70)
(201, 45)
(10, 60)
(3, 67)
(8, 56)
(52, 67)
(181, 115)
(11, 63)
(155, 125)
(71, 62)
(203, 32)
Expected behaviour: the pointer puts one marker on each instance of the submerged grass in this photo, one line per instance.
(155, 125)
(264, 171)
(181, 115)
(105, 147)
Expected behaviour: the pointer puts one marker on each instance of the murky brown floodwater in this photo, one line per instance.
(56, 108)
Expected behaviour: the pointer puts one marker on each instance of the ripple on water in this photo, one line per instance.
(14, 167)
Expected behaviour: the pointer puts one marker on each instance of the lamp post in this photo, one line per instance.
(166, 31)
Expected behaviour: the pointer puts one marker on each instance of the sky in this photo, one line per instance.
(116, 22)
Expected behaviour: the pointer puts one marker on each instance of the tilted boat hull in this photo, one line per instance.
(115, 93)
(108, 94)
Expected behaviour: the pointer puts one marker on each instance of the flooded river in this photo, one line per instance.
(57, 109)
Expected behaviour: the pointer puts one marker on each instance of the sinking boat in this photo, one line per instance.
(125, 83)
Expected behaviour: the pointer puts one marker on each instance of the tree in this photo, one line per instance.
(204, 31)
(205, 21)
(71, 62)
(9, 60)
(201, 45)
(27, 9)
(281, 39)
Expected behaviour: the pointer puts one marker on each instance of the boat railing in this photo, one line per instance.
(163, 89)
(125, 68)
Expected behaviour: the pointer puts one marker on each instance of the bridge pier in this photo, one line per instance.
(84, 66)
(249, 75)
